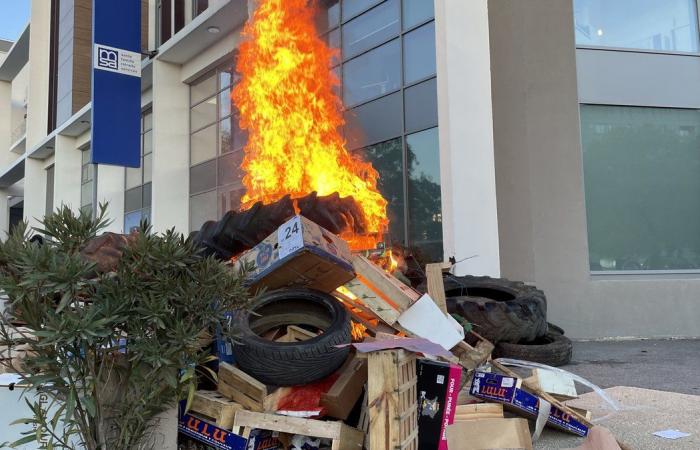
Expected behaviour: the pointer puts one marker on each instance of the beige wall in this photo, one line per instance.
(541, 210)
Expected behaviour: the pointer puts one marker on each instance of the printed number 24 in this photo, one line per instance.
(291, 230)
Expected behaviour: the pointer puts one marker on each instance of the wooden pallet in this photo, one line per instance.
(343, 437)
(393, 401)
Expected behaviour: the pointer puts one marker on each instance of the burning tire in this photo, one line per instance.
(292, 363)
(501, 310)
(553, 349)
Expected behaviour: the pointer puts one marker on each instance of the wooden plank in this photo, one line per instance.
(478, 411)
(373, 301)
(297, 334)
(398, 295)
(342, 396)
(436, 287)
(216, 407)
(293, 425)
(558, 385)
(236, 378)
(350, 439)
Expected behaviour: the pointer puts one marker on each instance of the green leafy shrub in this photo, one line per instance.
(112, 348)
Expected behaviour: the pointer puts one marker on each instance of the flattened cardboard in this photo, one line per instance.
(504, 389)
(489, 434)
(300, 253)
(208, 433)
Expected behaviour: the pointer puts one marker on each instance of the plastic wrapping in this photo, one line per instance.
(610, 403)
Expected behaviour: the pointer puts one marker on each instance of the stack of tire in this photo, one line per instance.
(510, 314)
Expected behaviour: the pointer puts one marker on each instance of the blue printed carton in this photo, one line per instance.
(209, 434)
(506, 390)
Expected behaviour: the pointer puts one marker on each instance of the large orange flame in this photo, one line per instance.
(293, 117)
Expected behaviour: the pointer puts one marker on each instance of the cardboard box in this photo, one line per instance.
(506, 390)
(489, 434)
(438, 386)
(299, 253)
(209, 434)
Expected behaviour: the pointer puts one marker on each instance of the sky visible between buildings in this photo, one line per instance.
(14, 15)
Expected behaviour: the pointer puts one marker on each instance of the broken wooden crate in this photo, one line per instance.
(215, 408)
(343, 437)
(241, 387)
(392, 399)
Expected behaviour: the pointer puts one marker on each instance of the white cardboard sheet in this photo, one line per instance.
(424, 319)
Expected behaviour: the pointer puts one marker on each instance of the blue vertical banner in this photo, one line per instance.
(116, 82)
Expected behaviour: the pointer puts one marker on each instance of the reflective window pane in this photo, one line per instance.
(419, 53)
(351, 8)
(203, 177)
(86, 193)
(387, 159)
(230, 198)
(371, 28)
(229, 169)
(641, 169)
(133, 177)
(372, 74)
(203, 89)
(376, 121)
(662, 25)
(133, 199)
(417, 11)
(333, 41)
(202, 209)
(421, 106)
(228, 74)
(203, 114)
(147, 195)
(148, 142)
(132, 221)
(147, 121)
(225, 102)
(203, 145)
(230, 136)
(147, 167)
(328, 15)
(424, 205)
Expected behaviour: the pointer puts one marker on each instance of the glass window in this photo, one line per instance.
(376, 121)
(372, 74)
(225, 103)
(199, 6)
(203, 114)
(419, 53)
(421, 106)
(137, 183)
(387, 159)
(351, 8)
(203, 145)
(229, 168)
(203, 89)
(371, 28)
(134, 176)
(333, 41)
(230, 198)
(641, 169)
(202, 209)
(424, 204)
(133, 199)
(87, 182)
(416, 12)
(662, 25)
(203, 177)
(49, 189)
(328, 15)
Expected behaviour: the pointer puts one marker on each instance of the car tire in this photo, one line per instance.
(553, 349)
(292, 363)
(501, 310)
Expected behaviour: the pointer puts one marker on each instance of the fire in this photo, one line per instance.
(293, 118)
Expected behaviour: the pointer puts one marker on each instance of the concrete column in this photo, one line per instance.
(110, 189)
(470, 222)
(34, 191)
(68, 164)
(5, 121)
(4, 214)
(38, 92)
(171, 146)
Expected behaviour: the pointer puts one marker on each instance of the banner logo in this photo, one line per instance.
(117, 60)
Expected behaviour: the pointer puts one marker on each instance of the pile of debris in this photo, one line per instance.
(337, 353)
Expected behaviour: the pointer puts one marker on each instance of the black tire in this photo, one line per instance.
(292, 363)
(501, 310)
(554, 328)
(554, 349)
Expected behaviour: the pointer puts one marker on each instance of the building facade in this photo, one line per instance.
(551, 141)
